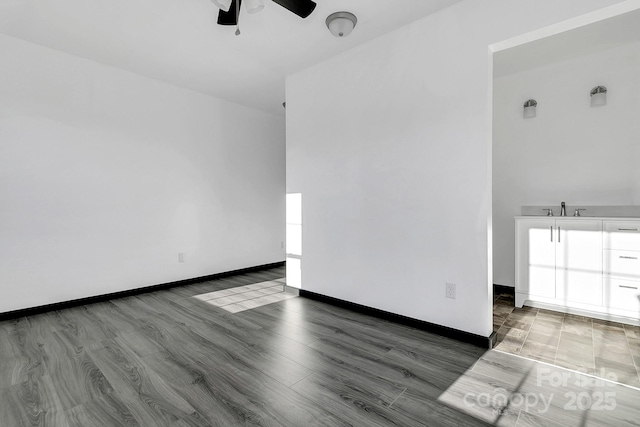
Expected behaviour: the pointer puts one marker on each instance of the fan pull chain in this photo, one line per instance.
(237, 17)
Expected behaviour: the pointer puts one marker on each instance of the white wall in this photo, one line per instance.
(570, 152)
(390, 146)
(105, 176)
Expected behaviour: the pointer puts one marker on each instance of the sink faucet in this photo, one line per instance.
(563, 209)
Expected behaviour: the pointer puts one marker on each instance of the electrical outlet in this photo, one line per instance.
(282, 244)
(180, 256)
(450, 290)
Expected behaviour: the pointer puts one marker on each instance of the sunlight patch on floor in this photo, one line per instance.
(242, 298)
(509, 390)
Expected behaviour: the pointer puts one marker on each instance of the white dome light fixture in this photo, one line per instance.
(222, 4)
(341, 23)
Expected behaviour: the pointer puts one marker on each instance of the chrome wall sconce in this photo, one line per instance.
(598, 96)
(530, 109)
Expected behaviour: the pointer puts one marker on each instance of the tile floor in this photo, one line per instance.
(596, 347)
(242, 298)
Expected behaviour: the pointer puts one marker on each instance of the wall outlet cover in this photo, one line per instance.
(450, 290)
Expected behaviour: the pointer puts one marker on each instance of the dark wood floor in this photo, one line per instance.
(167, 358)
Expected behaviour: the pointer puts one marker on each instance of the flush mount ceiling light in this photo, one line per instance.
(341, 23)
(530, 109)
(598, 96)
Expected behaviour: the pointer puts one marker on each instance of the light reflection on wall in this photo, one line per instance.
(294, 240)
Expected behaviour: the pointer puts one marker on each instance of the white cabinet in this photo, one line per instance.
(621, 266)
(536, 257)
(622, 235)
(587, 265)
(622, 294)
(579, 261)
(560, 259)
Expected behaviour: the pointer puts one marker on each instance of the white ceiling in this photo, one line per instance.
(606, 34)
(179, 42)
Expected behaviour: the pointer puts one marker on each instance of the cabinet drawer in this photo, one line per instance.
(622, 294)
(622, 264)
(622, 235)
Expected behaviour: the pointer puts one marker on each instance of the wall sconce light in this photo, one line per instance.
(341, 23)
(530, 109)
(598, 96)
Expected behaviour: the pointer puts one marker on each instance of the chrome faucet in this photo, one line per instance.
(563, 209)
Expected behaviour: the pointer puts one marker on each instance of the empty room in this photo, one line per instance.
(322, 213)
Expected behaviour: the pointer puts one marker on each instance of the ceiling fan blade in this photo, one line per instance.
(302, 8)
(230, 17)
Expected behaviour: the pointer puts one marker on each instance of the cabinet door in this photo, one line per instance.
(579, 261)
(536, 257)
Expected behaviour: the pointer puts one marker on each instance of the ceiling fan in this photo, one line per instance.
(229, 9)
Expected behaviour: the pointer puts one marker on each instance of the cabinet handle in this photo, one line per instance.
(628, 287)
(551, 229)
(558, 234)
(628, 257)
(627, 229)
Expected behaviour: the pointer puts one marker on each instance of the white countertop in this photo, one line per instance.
(607, 218)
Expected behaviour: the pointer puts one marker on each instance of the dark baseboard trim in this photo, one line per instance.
(502, 289)
(456, 334)
(131, 292)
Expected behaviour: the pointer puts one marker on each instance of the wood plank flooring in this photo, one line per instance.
(168, 358)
